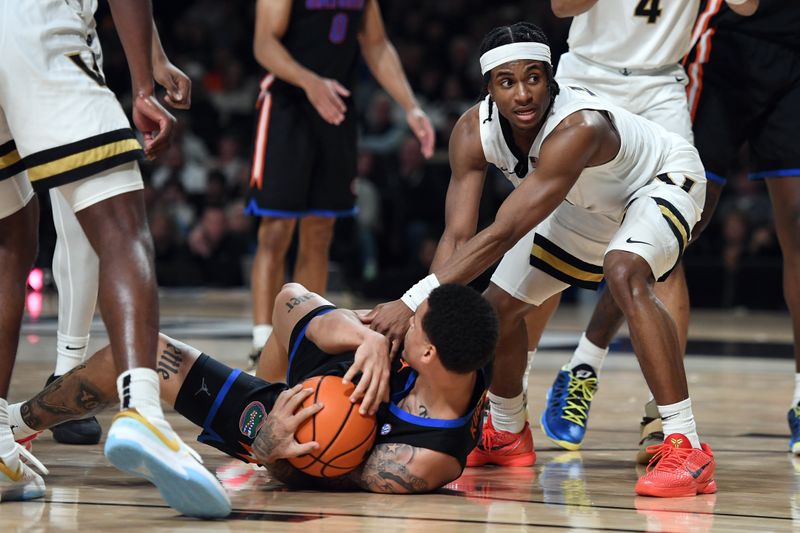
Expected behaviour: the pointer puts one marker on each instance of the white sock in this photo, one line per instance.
(261, 333)
(678, 418)
(796, 399)
(8, 448)
(138, 388)
(508, 414)
(71, 352)
(588, 353)
(20, 429)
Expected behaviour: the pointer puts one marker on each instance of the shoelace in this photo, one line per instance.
(31, 459)
(580, 394)
(486, 438)
(666, 456)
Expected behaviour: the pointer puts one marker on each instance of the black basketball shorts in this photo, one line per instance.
(301, 164)
(749, 90)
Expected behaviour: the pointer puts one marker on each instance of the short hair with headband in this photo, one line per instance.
(529, 42)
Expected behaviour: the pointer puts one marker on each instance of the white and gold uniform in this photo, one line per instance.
(629, 51)
(60, 125)
(645, 201)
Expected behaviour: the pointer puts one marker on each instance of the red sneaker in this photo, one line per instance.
(503, 448)
(677, 469)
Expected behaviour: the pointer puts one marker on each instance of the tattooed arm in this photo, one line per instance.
(403, 469)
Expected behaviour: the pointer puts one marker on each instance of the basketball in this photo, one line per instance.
(345, 436)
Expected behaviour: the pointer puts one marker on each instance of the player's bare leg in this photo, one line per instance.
(293, 302)
(311, 268)
(785, 195)
(18, 246)
(268, 275)
(507, 439)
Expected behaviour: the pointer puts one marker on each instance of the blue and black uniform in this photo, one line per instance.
(745, 86)
(231, 405)
(301, 164)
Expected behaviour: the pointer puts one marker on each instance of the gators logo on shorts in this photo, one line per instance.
(252, 419)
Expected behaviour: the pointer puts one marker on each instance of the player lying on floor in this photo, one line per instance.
(426, 430)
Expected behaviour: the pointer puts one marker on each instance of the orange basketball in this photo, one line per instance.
(345, 436)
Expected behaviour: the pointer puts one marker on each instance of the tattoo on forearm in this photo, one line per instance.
(386, 470)
(169, 362)
(294, 302)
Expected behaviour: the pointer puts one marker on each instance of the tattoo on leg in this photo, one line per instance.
(169, 362)
(33, 421)
(294, 302)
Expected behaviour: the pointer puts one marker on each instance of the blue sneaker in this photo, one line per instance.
(794, 428)
(565, 418)
(136, 446)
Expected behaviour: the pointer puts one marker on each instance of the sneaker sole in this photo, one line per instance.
(796, 448)
(70, 437)
(190, 492)
(21, 493)
(710, 487)
(511, 460)
(567, 445)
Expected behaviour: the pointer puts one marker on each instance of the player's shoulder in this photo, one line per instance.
(466, 136)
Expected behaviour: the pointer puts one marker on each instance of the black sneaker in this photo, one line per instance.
(82, 431)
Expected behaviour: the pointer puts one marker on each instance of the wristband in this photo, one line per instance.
(419, 292)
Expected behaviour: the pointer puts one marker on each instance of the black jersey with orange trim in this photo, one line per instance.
(776, 21)
(323, 37)
(456, 438)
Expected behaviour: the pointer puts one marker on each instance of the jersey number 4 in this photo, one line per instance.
(649, 9)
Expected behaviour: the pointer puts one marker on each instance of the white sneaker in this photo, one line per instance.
(136, 446)
(24, 484)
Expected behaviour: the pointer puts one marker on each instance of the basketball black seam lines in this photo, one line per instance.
(370, 435)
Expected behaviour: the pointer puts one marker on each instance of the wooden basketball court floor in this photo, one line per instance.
(740, 373)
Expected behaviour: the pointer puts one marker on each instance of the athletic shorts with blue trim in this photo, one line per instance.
(301, 164)
(743, 88)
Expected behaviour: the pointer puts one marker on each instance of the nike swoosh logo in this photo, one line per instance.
(678, 79)
(696, 473)
(75, 347)
(631, 241)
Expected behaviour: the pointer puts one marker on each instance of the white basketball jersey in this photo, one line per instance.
(634, 34)
(646, 151)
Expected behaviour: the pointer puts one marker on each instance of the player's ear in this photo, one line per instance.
(430, 353)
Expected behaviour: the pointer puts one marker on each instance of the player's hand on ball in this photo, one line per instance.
(326, 96)
(276, 438)
(177, 84)
(373, 361)
(155, 123)
(391, 319)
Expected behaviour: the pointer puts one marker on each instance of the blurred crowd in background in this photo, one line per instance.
(195, 193)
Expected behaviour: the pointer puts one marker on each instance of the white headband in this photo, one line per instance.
(513, 52)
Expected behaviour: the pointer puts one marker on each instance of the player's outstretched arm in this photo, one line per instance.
(384, 63)
(468, 172)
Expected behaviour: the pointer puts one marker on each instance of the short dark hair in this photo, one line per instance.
(519, 32)
(463, 327)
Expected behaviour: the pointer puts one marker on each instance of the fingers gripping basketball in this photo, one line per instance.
(345, 436)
